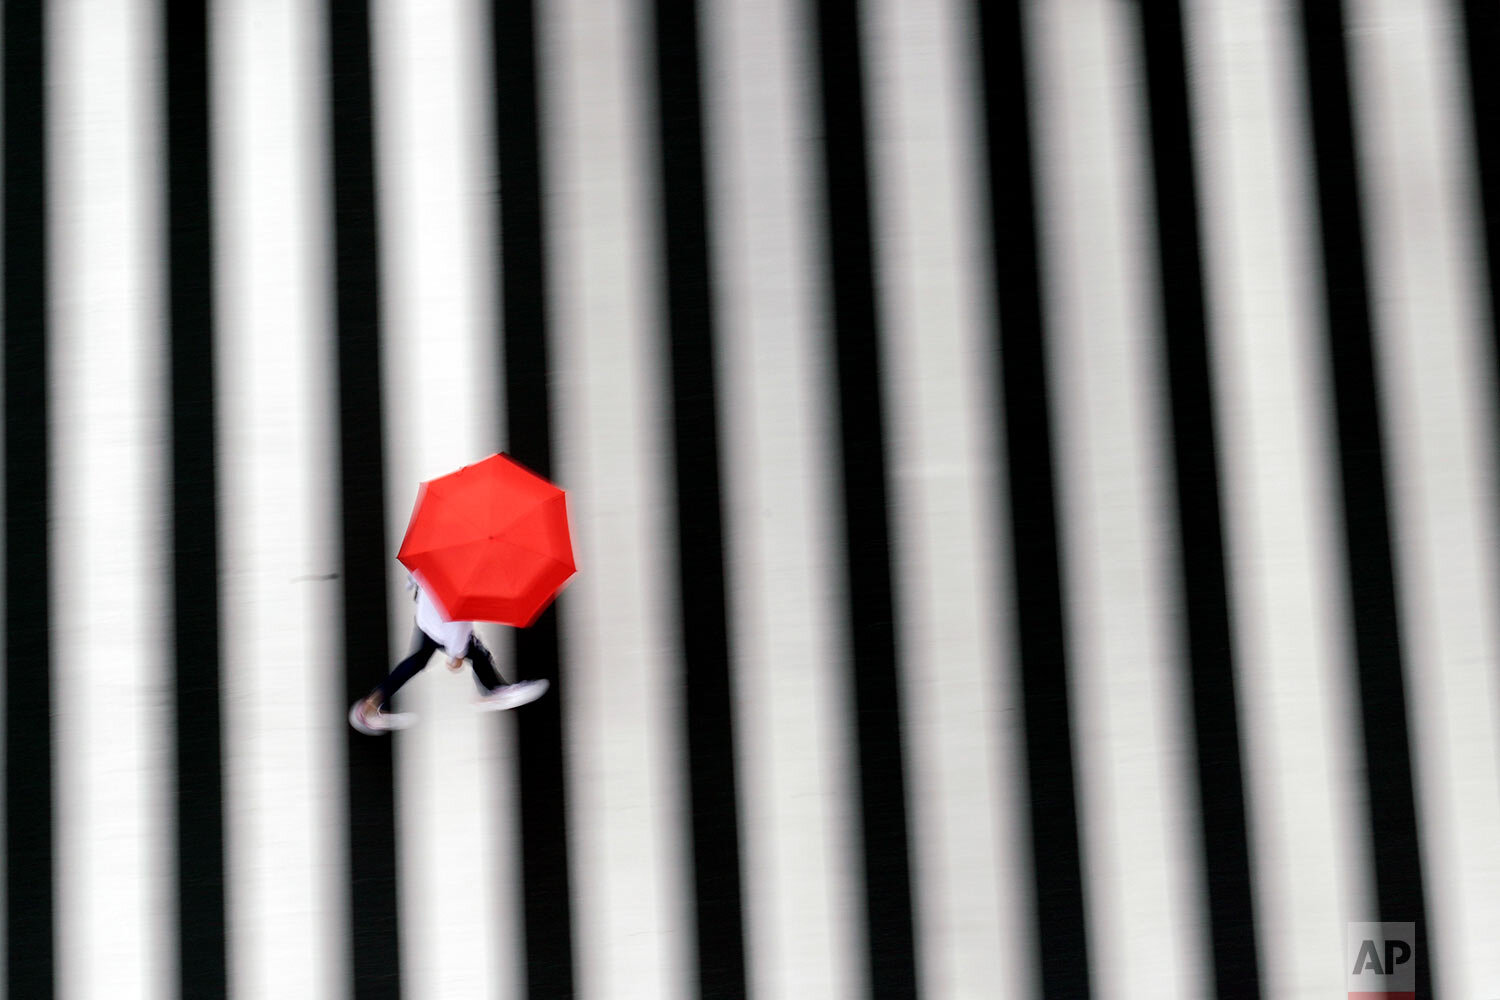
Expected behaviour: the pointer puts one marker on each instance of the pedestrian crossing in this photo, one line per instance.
(1032, 469)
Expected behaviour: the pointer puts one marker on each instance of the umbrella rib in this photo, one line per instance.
(527, 511)
(535, 551)
(481, 532)
(473, 570)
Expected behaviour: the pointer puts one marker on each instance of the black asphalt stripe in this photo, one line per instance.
(1209, 664)
(1395, 847)
(700, 544)
(28, 647)
(372, 828)
(1482, 38)
(1041, 644)
(195, 558)
(547, 902)
(874, 677)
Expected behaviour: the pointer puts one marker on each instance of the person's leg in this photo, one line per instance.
(498, 694)
(407, 668)
(484, 665)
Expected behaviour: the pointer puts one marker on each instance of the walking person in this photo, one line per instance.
(431, 632)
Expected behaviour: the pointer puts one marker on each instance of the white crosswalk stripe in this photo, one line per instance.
(115, 922)
(1145, 918)
(1300, 710)
(637, 907)
(283, 731)
(621, 704)
(792, 731)
(1419, 203)
(966, 779)
(442, 392)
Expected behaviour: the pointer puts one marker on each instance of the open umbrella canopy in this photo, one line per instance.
(490, 542)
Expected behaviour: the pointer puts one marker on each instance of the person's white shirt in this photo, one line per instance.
(452, 636)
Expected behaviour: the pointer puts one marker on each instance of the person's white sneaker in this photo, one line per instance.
(512, 695)
(372, 720)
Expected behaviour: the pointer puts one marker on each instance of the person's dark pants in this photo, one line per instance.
(477, 655)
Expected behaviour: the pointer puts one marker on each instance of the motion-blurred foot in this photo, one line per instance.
(512, 695)
(368, 717)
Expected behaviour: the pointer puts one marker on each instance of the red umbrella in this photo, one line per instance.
(490, 542)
